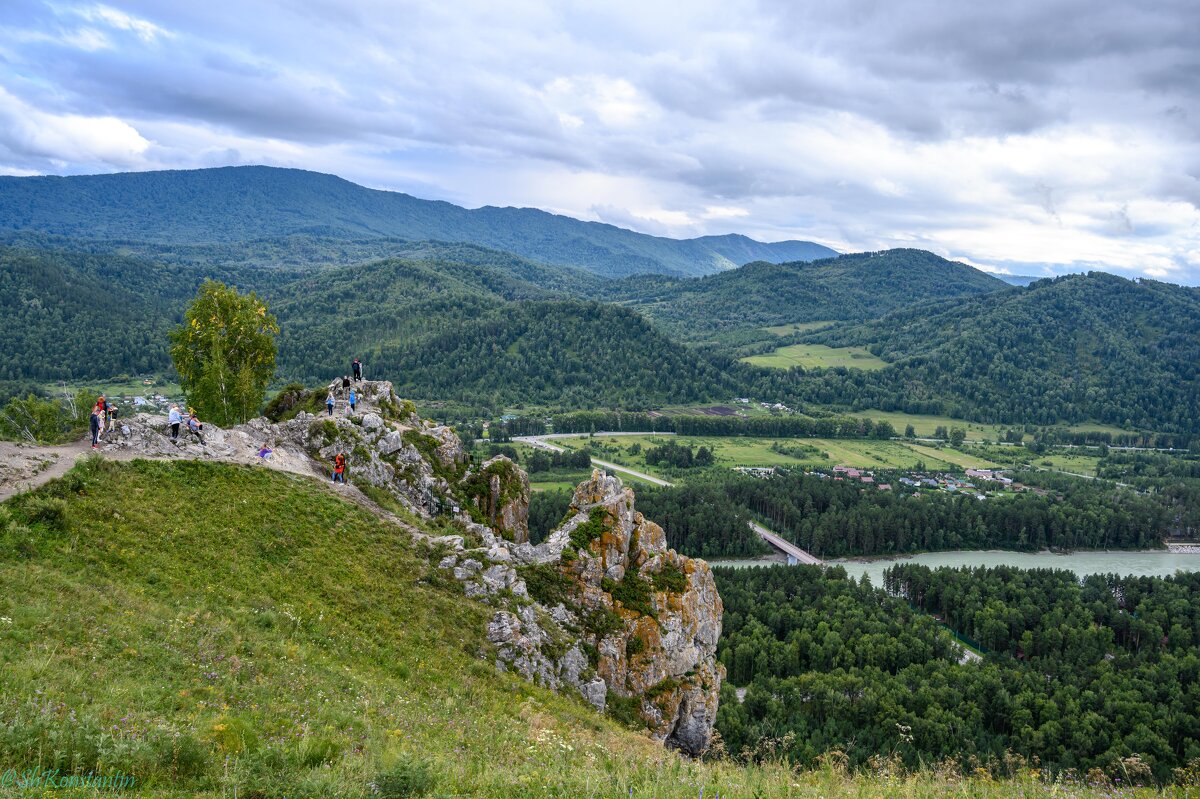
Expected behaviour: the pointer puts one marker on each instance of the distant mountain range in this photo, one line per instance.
(1017, 280)
(503, 307)
(238, 204)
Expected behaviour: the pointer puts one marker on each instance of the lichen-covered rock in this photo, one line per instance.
(606, 583)
(500, 491)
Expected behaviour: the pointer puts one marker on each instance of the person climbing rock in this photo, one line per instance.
(353, 400)
(95, 428)
(174, 418)
(356, 370)
(339, 468)
(345, 383)
(329, 403)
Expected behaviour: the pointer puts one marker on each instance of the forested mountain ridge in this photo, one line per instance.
(498, 330)
(848, 287)
(231, 204)
(1074, 348)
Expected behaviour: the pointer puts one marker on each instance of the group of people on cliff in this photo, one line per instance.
(104, 413)
(347, 389)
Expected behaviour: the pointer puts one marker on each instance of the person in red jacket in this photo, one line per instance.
(339, 468)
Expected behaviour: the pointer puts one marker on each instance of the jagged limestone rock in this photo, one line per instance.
(500, 491)
(606, 582)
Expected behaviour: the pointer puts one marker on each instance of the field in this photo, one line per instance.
(730, 451)
(129, 387)
(817, 356)
(1073, 461)
(797, 327)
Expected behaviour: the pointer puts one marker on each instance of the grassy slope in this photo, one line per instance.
(204, 627)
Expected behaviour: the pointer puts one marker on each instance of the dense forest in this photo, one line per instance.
(75, 317)
(1099, 675)
(459, 322)
(1080, 347)
(834, 519)
(857, 286)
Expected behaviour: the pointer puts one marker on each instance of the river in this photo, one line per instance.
(1156, 564)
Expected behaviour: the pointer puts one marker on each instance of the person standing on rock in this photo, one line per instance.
(345, 383)
(95, 428)
(329, 403)
(339, 468)
(353, 400)
(174, 418)
(100, 409)
(356, 370)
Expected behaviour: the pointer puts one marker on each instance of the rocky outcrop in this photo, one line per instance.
(500, 492)
(602, 607)
(605, 608)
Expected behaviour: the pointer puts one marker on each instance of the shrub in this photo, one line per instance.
(547, 584)
(669, 579)
(632, 592)
(626, 710)
(593, 528)
(408, 777)
(51, 511)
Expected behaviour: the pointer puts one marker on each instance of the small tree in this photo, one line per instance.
(957, 436)
(225, 353)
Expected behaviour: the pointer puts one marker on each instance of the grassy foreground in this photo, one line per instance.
(224, 631)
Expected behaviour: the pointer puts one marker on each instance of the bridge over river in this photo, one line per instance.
(794, 553)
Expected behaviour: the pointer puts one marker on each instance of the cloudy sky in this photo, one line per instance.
(1029, 137)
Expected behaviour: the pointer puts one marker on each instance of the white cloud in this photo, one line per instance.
(68, 138)
(1026, 137)
(119, 20)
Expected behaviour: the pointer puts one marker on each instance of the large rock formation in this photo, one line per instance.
(604, 607)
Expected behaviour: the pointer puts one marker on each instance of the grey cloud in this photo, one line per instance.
(408, 91)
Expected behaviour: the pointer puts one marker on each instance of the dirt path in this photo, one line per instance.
(24, 467)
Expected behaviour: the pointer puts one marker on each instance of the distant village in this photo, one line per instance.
(979, 483)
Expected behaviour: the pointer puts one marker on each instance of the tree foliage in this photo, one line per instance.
(224, 353)
(1079, 675)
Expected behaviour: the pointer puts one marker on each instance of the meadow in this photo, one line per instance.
(224, 631)
(731, 451)
(817, 356)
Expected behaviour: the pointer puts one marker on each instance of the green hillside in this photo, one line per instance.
(232, 204)
(217, 631)
(79, 316)
(1082, 347)
(848, 287)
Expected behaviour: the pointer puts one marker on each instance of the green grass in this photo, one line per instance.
(796, 327)
(216, 630)
(952, 456)
(817, 356)
(114, 387)
(1067, 461)
(730, 451)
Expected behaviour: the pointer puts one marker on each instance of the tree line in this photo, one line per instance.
(833, 518)
(1080, 676)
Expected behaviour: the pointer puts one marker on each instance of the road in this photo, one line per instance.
(771, 537)
(787, 548)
